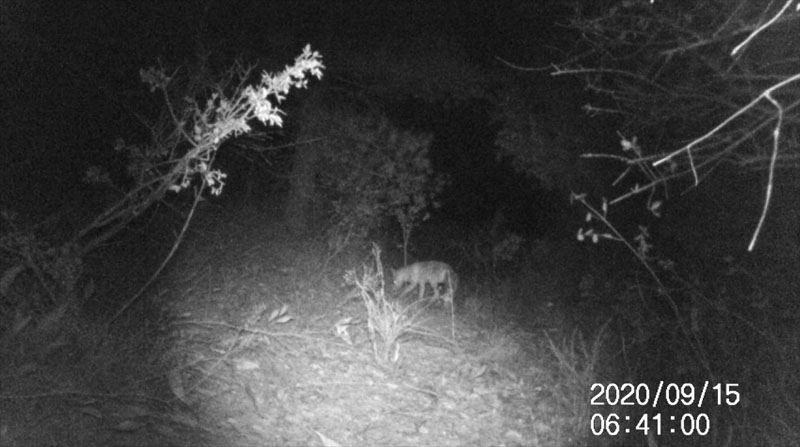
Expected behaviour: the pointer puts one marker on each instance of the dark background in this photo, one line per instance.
(70, 87)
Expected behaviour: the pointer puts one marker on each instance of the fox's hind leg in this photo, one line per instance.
(435, 287)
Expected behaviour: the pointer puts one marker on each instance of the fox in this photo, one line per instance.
(427, 272)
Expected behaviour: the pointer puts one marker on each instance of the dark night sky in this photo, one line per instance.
(103, 36)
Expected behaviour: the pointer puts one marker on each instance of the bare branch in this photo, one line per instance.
(764, 26)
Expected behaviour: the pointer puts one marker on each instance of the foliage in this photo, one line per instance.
(387, 321)
(577, 371)
(56, 268)
(720, 77)
(492, 247)
(713, 325)
(414, 185)
(186, 137)
(676, 63)
(374, 170)
(197, 118)
(537, 145)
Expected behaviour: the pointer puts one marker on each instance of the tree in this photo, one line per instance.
(197, 118)
(722, 78)
(368, 169)
(379, 75)
(537, 142)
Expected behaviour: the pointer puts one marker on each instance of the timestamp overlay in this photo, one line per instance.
(685, 400)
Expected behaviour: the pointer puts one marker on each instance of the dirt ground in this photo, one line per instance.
(252, 344)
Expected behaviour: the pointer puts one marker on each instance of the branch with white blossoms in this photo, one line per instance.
(186, 137)
(224, 116)
(276, 86)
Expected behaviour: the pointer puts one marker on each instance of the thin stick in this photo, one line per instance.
(163, 264)
(451, 298)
